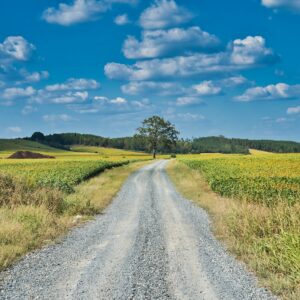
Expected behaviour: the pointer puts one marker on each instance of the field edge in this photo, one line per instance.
(26, 228)
(224, 213)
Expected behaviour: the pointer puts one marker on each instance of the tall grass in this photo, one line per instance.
(268, 239)
(28, 216)
(15, 192)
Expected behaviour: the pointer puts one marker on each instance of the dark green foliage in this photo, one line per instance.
(38, 137)
(269, 145)
(218, 144)
(64, 140)
(221, 144)
(158, 134)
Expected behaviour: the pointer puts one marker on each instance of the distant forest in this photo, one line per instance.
(218, 144)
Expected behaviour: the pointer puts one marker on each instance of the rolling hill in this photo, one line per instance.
(9, 146)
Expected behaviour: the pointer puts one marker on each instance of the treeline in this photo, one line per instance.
(218, 144)
(225, 145)
(269, 145)
(64, 140)
(211, 145)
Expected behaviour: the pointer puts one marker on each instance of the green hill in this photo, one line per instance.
(10, 146)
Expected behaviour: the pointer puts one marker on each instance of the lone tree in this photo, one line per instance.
(37, 136)
(158, 133)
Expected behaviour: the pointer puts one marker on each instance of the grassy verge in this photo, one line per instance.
(265, 238)
(99, 191)
(32, 217)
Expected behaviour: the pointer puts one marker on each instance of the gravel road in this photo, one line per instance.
(150, 243)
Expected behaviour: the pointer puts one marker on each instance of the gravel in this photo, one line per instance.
(150, 243)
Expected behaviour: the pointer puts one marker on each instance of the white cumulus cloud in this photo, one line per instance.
(156, 43)
(14, 93)
(74, 84)
(234, 81)
(70, 97)
(79, 11)
(241, 54)
(251, 50)
(122, 20)
(118, 100)
(16, 48)
(106, 100)
(207, 88)
(152, 87)
(33, 76)
(293, 4)
(164, 14)
(270, 92)
(188, 100)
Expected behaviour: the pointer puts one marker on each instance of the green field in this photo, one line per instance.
(259, 212)
(63, 175)
(68, 169)
(105, 151)
(9, 146)
(262, 178)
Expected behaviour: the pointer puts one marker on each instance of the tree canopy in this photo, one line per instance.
(158, 133)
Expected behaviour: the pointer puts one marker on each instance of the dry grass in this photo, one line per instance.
(267, 239)
(25, 228)
(31, 217)
(99, 191)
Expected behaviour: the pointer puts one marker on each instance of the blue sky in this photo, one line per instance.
(211, 67)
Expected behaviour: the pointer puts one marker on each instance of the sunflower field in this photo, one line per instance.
(264, 179)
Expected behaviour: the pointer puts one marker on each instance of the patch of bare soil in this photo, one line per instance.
(29, 155)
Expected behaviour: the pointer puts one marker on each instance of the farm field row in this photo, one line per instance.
(263, 178)
(67, 169)
(63, 175)
(258, 215)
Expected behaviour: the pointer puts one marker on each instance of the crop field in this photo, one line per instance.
(259, 213)
(59, 174)
(106, 151)
(9, 146)
(67, 169)
(262, 178)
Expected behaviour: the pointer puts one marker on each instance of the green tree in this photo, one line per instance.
(38, 136)
(158, 133)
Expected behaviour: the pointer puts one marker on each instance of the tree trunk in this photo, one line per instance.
(154, 153)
